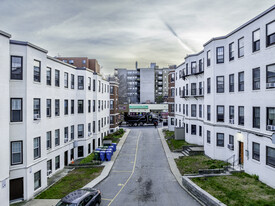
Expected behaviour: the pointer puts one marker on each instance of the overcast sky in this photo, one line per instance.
(119, 32)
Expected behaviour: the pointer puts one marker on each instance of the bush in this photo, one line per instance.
(88, 159)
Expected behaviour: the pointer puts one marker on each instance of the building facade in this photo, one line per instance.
(114, 112)
(225, 97)
(53, 112)
(171, 100)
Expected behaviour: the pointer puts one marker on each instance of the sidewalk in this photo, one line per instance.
(173, 166)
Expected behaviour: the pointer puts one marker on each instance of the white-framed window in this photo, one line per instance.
(16, 152)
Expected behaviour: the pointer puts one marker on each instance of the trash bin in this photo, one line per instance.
(102, 155)
(97, 155)
(114, 145)
(108, 155)
(110, 151)
(98, 149)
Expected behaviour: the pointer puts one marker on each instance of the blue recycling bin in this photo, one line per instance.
(114, 145)
(102, 155)
(110, 151)
(98, 149)
(108, 155)
(112, 148)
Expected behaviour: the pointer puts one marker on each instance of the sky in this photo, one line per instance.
(120, 32)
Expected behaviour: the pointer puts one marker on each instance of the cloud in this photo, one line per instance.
(120, 32)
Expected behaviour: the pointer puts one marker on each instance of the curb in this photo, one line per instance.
(173, 165)
(109, 165)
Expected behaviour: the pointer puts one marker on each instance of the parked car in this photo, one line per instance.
(81, 197)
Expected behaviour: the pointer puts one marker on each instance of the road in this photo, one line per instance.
(141, 174)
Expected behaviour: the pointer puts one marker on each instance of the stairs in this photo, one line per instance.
(192, 150)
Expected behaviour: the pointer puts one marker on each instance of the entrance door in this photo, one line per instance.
(66, 158)
(72, 154)
(16, 189)
(240, 152)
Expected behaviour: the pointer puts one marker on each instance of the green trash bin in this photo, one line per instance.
(97, 155)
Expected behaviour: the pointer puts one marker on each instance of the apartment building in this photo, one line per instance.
(52, 112)
(171, 100)
(114, 113)
(225, 97)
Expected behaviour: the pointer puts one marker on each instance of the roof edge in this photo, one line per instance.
(25, 43)
(5, 34)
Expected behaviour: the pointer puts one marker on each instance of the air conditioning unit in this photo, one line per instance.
(230, 146)
(271, 127)
(231, 121)
(49, 172)
(36, 116)
(270, 85)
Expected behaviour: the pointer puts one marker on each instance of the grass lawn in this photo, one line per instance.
(238, 189)
(115, 136)
(192, 164)
(88, 159)
(73, 181)
(172, 143)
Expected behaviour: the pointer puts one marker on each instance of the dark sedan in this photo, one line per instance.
(81, 197)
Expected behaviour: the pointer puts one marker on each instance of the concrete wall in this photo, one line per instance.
(147, 85)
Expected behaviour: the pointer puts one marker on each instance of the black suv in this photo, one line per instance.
(81, 197)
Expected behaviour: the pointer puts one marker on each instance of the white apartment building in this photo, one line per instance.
(225, 97)
(51, 113)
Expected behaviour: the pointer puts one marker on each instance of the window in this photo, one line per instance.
(72, 106)
(37, 180)
(71, 61)
(193, 88)
(220, 84)
(186, 128)
(208, 112)
(16, 152)
(72, 132)
(112, 90)
(193, 129)
(200, 131)
(186, 90)
(256, 117)
(93, 105)
(89, 127)
(49, 140)
(66, 134)
(16, 67)
(99, 125)
(57, 78)
(36, 148)
(231, 83)
(49, 76)
(183, 109)
(200, 111)
(49, 107)
(208, 137)
(94, 85)
(270, 34)
(270, 76)
(111, 104)
(208, 58)
(80, 82)
(80, 106)
(57, 107)
(270, 156)
(256, 151)
(36, 109)
(220, 54)
(241, 81)
(93, 126)
(200, 88)
(49, 167)
(66, 107)
(193, 110)
(231, 114)
(80, 151)
(80, 133)
(89, 106)
(270, 113)
(241, 115)
(186, 68)
(84, 61)
(89, 83)
(241, 47)
(72, 81)
(16, 114)
(208, 85)
(193, 67)
(36, 71)
(220, 113)
(231, 141)
(256, 40)
(231, 51)
(220, 140)
(66, 80)
(256, 78)
(186, 109)
(99, 105)
(57, 137)
(200, 65)
(57, 162)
